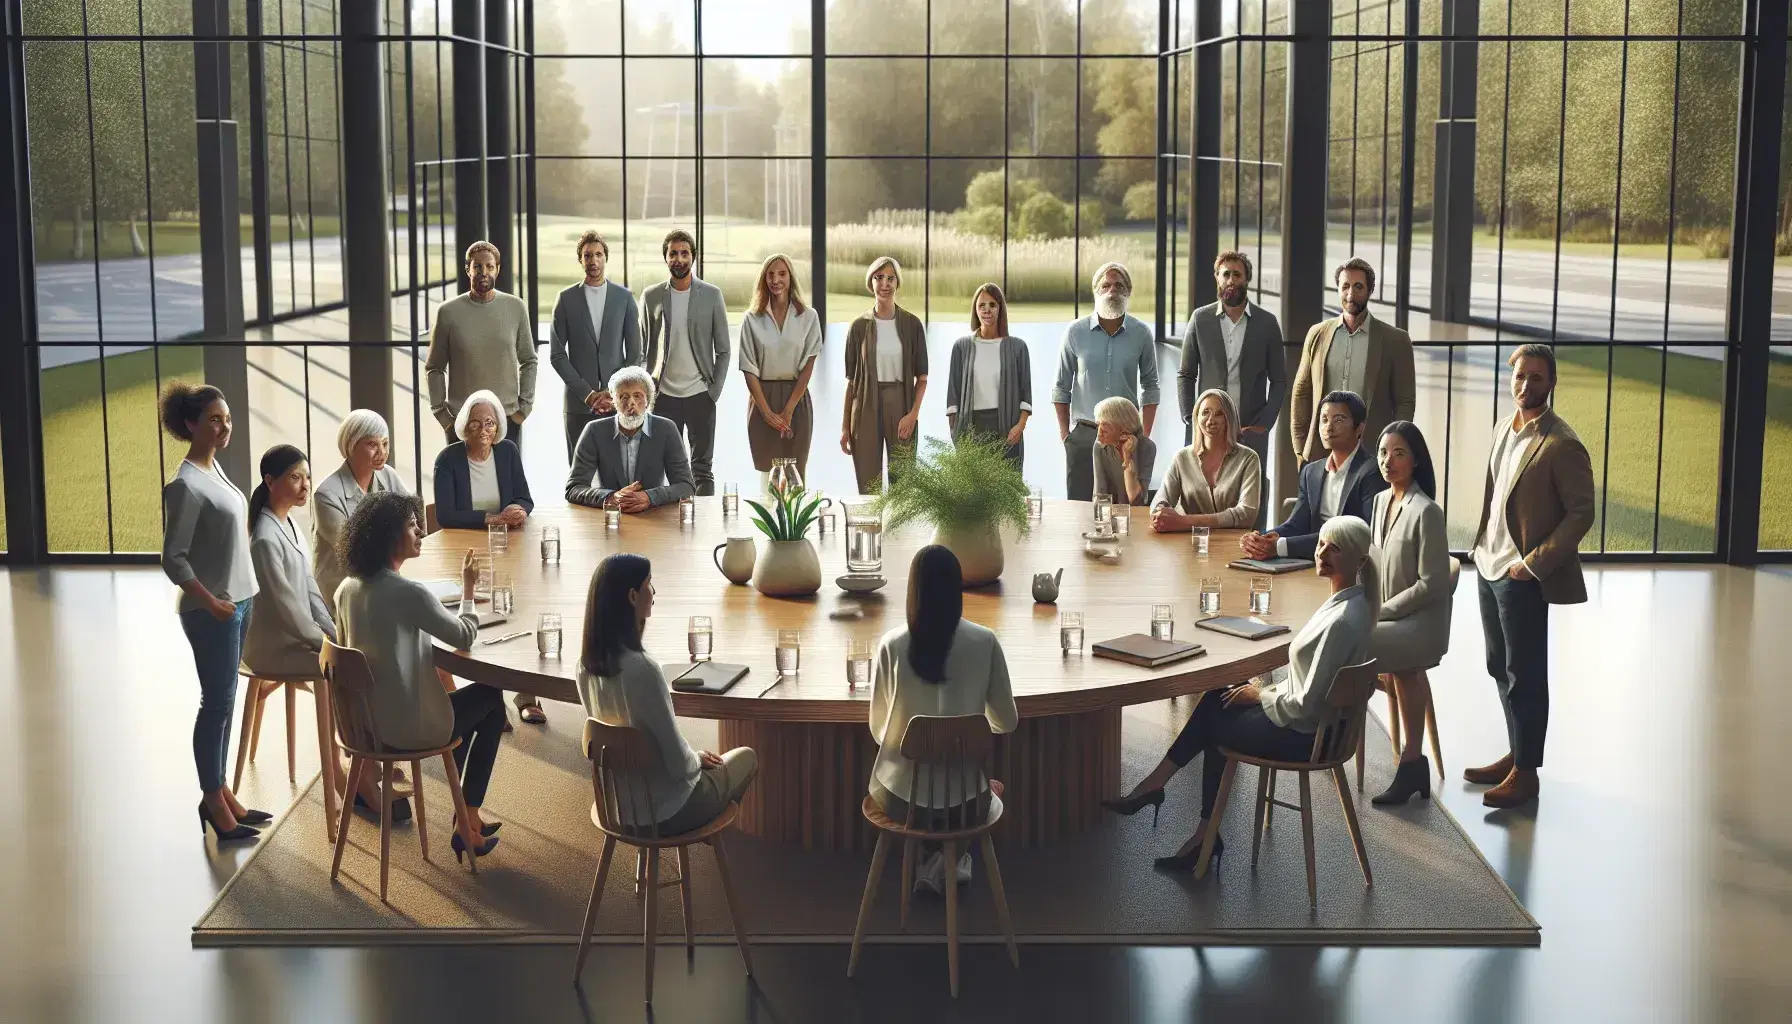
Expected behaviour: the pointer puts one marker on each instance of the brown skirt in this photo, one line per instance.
(765, 443)
(874, 436)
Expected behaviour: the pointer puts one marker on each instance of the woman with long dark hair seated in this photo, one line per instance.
(938, 664)
(1278, 720)
(620, 685)
(390, 619)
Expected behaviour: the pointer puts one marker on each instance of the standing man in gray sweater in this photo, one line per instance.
(596, 332)
(482, 340)
(687, 352)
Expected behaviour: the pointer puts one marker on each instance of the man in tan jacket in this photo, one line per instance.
(1354, 352)
(1538, 504)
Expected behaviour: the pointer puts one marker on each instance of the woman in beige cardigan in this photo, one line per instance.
(1213, 482)
(886, 378)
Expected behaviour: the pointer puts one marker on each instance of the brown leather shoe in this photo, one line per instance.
(1520, 788)
(1491, 775)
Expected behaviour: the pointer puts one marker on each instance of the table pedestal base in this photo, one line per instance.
(813, 778)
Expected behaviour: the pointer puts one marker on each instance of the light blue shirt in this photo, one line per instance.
(1093, 366)
(631, 447)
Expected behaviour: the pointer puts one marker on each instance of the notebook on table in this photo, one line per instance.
(705, 677)
(1238, 625)
(1273, 566)
(1139, 649)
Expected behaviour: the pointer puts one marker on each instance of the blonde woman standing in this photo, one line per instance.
(779, 340)
(886, 378)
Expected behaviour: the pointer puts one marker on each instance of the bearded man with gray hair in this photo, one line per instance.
(1103, 355)
(632, 460)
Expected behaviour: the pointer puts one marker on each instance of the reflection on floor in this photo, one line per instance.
(1659, 861)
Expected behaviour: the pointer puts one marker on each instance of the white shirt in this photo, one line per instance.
(207, 535)
(986, 374)
(1331, 497)
(1337, 635)
(1233, 335)
(482, 483)
(594, 305)
(1497, 552)
(680, 379)
(889, 352)
(770, 352)
(976, 683)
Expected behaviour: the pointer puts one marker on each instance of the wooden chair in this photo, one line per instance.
(1333, 744)
(349, 679)
(1396, 732)
(255, 695)
(939, 747)
(430, 524)
(621, 757)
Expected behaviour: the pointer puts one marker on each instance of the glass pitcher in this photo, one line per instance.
(785, 477)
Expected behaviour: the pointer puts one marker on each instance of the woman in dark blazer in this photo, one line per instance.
(479, 479)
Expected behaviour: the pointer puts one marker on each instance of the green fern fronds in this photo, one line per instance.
(965, 485)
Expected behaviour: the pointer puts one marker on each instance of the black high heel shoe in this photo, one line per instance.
(1187, 861)
(1130, 805)
(231, 835)
(491, 829)
(401, 809)
(1411, 777)
(251, 816)
(459, 846)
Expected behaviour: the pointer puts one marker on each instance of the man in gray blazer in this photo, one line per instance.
(687, 352)
(633, 458)
(596, 332)
(1235, 346)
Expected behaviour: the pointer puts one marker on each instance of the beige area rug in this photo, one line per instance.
(1432, 886)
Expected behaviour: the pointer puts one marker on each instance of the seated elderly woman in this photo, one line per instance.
(479, 479)
(364, 441)
(632, 459)
(1277, 720)
(390, 619)
(1214, 482)
(1123, 455)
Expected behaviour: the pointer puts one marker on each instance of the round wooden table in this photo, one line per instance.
(809, 730)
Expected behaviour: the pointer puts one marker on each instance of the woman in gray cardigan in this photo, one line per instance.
(205, 552)
(990, 390)
(291, 620)
(365, 444)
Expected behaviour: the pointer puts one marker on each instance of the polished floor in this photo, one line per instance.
(1659, 861)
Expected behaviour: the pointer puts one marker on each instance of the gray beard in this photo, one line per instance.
(1110, 308)
(630, 422)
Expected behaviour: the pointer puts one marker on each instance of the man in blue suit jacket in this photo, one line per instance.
(1343, 484)
(634, 457)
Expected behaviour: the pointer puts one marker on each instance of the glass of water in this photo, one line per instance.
(1260, 591)
(1210, 595)
(1198, 537)
(1104, 513)
(612, 515)
(1070, 632)
(1036, 504)
(790, 651)
(547, 634)
(1163, 622)
(731, 499)
(497, 538)
(503, 593)
(1122, 518)
(550, 545)
(687, 510)
(702, 638)
(483, 587)
(858, 664)
(864, 541)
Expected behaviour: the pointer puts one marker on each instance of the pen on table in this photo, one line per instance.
(507, 636)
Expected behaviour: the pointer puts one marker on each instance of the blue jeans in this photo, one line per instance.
(217, 651)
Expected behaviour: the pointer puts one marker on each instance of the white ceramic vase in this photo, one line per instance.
(787, 568)
(979, 552)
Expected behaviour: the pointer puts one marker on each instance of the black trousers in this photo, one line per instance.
(1079, 462)
(478, 724)
(1515, 623)
(696, 417)
(513, 432)
(576, 417)
(1243, 727)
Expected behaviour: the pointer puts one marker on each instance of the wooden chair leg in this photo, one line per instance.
(1437, 748)
(1356, 831)
(597, 897)
(878, 854)
(1362, 757)
(422, 817)
(684, 896)
(734, 919)
(355, 767)
(326, 761)
(1394, 718)
(908, 876)
(292, 732)
(1306, 836)
(385, 824)
(1001, 895)
(262, 689)
(1219, 814)
(463, 818)
(650, 921)
(952, 914)
(244, 741)
(1269, 806)
(1261, 818)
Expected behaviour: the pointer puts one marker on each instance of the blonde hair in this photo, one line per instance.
(1119, 410)
(880, 263)
(762, 296)
(481, 397)
(1227, 407)
(1351, 537)
(357, 426)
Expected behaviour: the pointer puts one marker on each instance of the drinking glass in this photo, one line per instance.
(1260, 591)
(790, 652)
(687, 511)
(1070, 631)
(497, 538)
(702, 638)
(547, 634)
(503, 594)
(1198, 537)
(730, 500)
(824, 512)
(483, 587)
(1036, 504)
(1163, 621)
(858, 664)
(1104, 512)
(550, 545)
(1122, 519)
(864, 541)
(1210, 595)
(612, 517)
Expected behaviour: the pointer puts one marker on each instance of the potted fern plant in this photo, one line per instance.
(968, 490)
(787, 566)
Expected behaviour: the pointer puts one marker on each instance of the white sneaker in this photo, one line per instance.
(931, 875)
(964, 869)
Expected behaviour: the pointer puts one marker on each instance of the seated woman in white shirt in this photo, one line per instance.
(620, 684)
(939, 664)
(1277, 720)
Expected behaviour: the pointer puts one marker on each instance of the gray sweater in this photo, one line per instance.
(481, 346)
(290, 619)
(637, 696)
(331, 504)
(1013, 394)
(207, 535)
(390, 619)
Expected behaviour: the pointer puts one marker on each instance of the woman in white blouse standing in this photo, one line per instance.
(205, 552)
(938, 664)
(1215, 481)
(365, 443)
(1414, 631)
(780, 338)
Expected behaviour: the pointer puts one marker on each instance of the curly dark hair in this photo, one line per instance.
(182, 403)
(373, 528)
